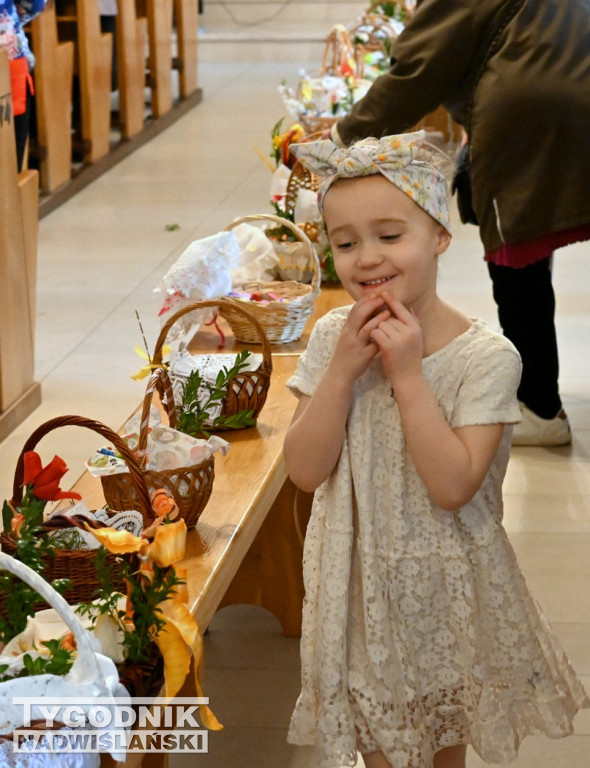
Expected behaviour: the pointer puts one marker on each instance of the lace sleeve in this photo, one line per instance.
(314, 360)
(488, 392)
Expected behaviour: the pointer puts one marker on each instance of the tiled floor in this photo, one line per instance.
(100, 256)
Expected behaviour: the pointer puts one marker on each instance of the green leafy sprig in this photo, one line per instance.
(58, 662)
(145, 595)
(106, 595)
(194, 416)
(33, 548)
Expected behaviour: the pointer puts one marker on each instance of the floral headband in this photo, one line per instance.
(405, 160)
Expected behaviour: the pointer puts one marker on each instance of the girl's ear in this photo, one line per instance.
(443, 240)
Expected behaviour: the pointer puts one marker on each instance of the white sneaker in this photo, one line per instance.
(533, 430)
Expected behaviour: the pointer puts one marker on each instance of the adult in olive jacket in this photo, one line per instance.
(516, 75)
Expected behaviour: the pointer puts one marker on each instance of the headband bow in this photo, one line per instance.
(403, 160)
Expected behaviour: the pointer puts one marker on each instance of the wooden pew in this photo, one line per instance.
(19, 394)
(185, 13)
(95, 61)
(131, 44)
(54, 73)
(80, 23)
(159, 16)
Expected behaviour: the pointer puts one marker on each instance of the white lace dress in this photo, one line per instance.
(418, 629)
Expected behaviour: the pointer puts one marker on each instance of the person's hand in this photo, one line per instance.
(355, 349)
(400, 342)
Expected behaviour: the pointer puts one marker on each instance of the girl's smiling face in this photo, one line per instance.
(382, 240)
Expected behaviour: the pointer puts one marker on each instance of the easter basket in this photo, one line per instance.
(77, 565)
(338, 48)
(189, 486)
(248, 389)
(283, 317)
(371, 33)
(300, 178)
(92, 675)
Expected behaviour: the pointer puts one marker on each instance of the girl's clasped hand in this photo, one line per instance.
(379, 325)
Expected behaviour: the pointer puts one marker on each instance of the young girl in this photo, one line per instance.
(419, 634)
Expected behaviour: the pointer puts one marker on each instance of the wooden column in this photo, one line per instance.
(19, 394)
(131, 56)
(54, 72)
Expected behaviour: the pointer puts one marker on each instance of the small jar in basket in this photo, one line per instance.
(285, 305)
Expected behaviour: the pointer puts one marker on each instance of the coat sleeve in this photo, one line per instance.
(433, 61)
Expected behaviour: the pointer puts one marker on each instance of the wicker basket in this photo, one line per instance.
(300, 178)
(318, 123)
(377, 30)
(282, 321)
(144, 679)
(189, 486)
(406, 6)
(78, 565)
(249, 388)
(338, 48)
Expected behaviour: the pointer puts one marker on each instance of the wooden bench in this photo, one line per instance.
(54, 72)
(93, 65)
(187, 24)
(19, 394)
(71, 50)
(131, 44)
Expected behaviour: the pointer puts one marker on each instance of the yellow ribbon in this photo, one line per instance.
(179, 639)
(147, 369)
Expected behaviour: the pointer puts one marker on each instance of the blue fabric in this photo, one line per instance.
(14, 14)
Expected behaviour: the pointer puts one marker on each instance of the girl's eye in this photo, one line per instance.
(344, 246)
(390, 238)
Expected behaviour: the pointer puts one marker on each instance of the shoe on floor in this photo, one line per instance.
(533, 430)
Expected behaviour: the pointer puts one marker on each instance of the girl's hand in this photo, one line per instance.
(355, 349)
(399, 338)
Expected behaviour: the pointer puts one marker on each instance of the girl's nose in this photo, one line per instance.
(368, 255)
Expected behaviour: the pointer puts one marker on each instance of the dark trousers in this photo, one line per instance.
(526, 310)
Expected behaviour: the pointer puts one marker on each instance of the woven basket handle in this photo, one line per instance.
(159, 382)
(58, 603)
(297, 231)
(400, 4)
(338, 46)
(221, 304)
(95, 426)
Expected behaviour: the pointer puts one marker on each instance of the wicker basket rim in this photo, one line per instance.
(313, 259)
(223, 304)
(96, 426)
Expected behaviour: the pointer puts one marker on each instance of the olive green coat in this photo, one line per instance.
(530, 118)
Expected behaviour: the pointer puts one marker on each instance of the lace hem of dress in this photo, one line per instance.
(505, 717)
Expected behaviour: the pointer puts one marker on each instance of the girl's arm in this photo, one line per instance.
(314, 439)
(452, 463)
